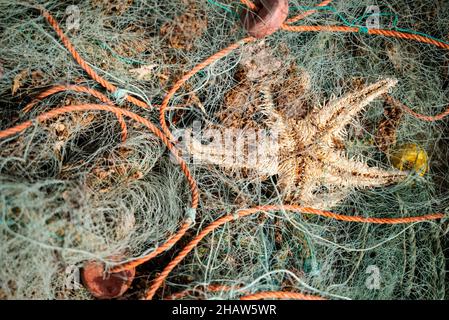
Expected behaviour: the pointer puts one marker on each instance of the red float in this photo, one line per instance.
(106, 286)
(266, 19)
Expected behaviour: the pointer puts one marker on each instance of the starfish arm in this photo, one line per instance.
(306, 197)
(319, 196)
(332, 118)
(234, 149)
(324, 185)
(326, 200)
(352, 173)
(309, 182)
(275, 121)
(211, 153)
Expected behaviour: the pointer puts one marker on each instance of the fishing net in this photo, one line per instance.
(72, 191)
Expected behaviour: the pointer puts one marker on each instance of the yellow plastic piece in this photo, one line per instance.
(410, 157)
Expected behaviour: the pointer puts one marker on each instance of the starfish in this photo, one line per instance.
(317, 160)
(310, 162)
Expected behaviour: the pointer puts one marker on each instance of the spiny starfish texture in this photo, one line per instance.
(312, 166)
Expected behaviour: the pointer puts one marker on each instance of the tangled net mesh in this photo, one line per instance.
(71, 190)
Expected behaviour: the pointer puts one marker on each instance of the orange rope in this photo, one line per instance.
(382, 32)
(254, 296)
(97, 107)
(89, 107)
(307, 13)
(210, 288)
(83, 64)
(320, 28)
(280, 295)
(246, 212)
(60, 88)
(95, 93)
(166, 246)
(408, 36)
(188, 75)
